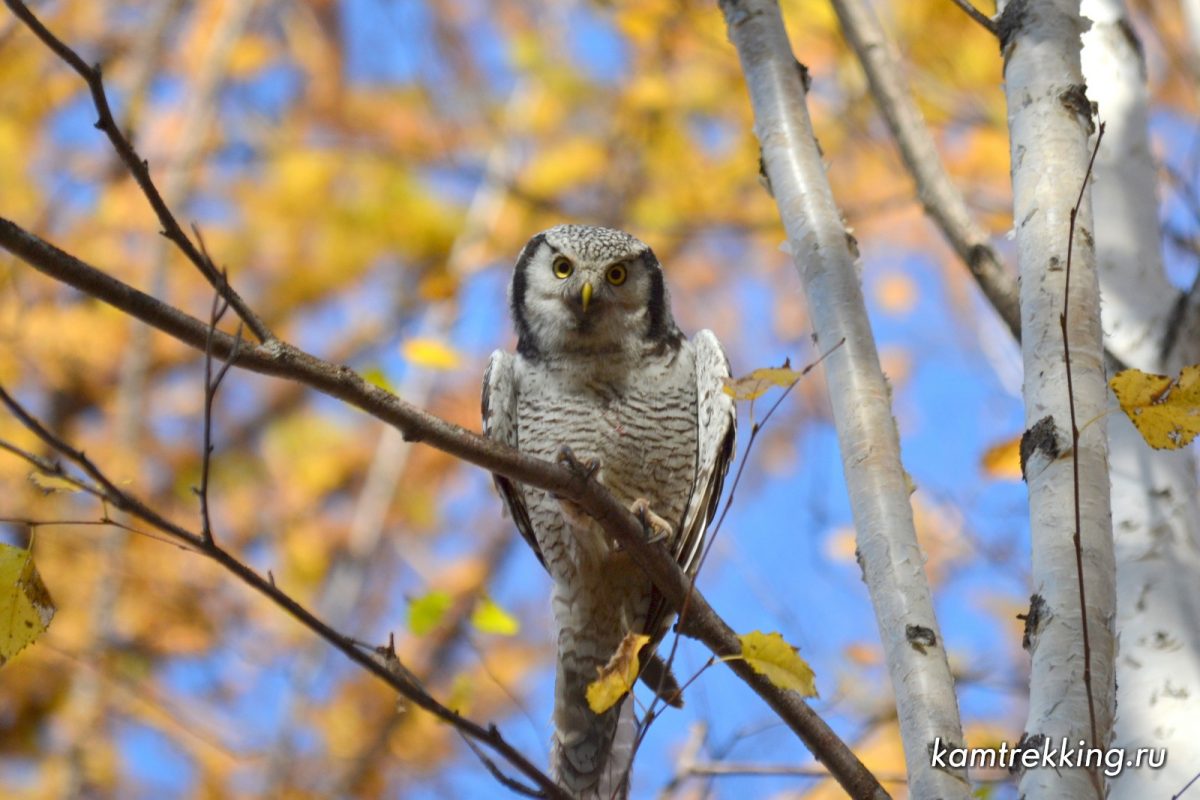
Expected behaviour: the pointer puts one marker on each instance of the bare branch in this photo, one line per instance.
(139, 168)
(211, 383)
(385, 666)
(974, 13)
(941, 198)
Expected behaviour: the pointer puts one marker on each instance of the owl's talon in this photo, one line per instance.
(655, 527)
(567, 457)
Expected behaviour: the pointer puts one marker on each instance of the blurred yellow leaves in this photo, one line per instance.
(616, 677)
(1003, 459)
(643, 22)
(431, 354)
(308, 455)
(427, 612)
(565, 165)
(1165, 410)
(62, 340)
(768, 654)
(249, 55)
(25, 605)
(488, 617)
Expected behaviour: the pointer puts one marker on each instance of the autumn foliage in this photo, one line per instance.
(366, 173)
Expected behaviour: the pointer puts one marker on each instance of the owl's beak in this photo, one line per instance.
(585, 296)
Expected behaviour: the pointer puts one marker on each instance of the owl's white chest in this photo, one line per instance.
(638, 421)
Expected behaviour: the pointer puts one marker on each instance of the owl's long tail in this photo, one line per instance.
(591, 753)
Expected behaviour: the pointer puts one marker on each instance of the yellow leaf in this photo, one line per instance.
(567, 165)
(756, 384)
(25, 605)
(249, 56)
(462, 692)
(1003, 460)
(491, 618)
(377, 377)
(49, 484)
(1166, 411)
(431, 353)
(426, 613)
(768, 654)
(617, 676)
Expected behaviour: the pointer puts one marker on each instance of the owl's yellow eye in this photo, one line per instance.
(562, 267)
(617, 274)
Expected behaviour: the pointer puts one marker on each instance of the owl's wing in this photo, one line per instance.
(716, 418)
(500, 423)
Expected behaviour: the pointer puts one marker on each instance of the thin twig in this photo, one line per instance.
(974, 13)
(103, 521)
(139, 168)
(1078, 539)
(394, 675)
(505, 780)
(1186, 786)
(211, 384)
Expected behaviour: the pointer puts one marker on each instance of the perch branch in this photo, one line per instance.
(280, 359)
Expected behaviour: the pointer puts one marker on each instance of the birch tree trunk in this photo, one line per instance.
(888, 553)
(1071, 641)
(1155, 511)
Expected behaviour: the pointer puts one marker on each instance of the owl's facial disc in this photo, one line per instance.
(585, 289)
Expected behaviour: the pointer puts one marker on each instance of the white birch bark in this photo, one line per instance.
(1049, 122)
(1156, 517)
(890, 557)
(1191, 19)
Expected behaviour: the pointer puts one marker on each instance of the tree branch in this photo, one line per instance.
(139, 168)
(383, 664)
(942, 201)
(283, 360)
(974, 13)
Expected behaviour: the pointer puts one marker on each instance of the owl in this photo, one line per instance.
(601, 372)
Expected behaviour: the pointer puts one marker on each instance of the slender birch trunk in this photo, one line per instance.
(1071, 689)
(1156, 515)
(879, 488)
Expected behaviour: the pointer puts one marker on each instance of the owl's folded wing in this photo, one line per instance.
(500, 423)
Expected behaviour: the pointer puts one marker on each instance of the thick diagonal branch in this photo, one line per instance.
(282, 360)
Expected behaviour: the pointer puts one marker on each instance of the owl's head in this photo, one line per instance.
(584, 289)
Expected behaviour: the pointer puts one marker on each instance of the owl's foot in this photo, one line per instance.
(567, 457)
(656, 528)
